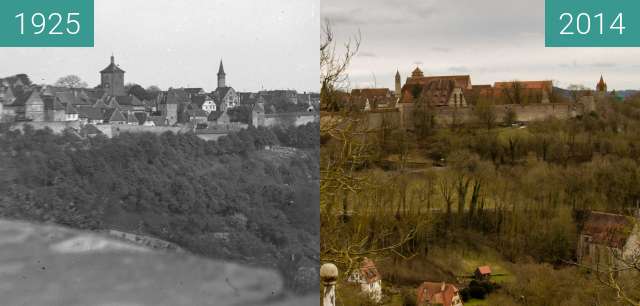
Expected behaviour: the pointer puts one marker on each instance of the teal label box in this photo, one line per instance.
(46, 23)
(592, 23)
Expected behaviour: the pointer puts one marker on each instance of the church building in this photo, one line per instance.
(226, 96)
(601, 88)
(438, 91)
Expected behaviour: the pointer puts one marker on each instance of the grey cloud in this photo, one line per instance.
(359, 12)
(492, 40)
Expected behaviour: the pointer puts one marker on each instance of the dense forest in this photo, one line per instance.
(240, 198)
(418, 200)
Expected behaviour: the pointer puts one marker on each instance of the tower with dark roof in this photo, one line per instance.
(601, 86)
(417, 73)
(601, 89)
(112, 79)
(398, 84)
(221, 76)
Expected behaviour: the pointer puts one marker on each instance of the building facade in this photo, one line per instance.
(112, 79)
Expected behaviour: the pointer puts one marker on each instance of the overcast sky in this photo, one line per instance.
(492, 40)
(180, 43)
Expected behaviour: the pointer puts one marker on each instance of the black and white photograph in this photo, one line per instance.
(175, 162)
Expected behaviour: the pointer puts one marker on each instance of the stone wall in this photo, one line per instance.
(286, 119)
(117, 129)
(379, 118)
(524, 113)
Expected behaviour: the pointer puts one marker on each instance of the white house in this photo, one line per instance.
(71, 114)
(369, 279)
(209, 104)
(438, 294)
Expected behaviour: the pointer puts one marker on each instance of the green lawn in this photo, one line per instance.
(475, 302)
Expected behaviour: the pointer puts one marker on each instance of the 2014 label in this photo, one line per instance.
(583, 22)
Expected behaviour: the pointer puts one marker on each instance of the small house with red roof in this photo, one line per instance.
(482, 273)
(438, 294)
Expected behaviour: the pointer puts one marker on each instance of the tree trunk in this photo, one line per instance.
(462, 187)
(474, 200)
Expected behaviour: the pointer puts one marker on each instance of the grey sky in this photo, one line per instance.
(492, 40)
(180, 43)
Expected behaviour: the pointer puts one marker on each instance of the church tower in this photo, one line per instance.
(601, 89)
(221, 76)
(398, 84)
(112, 79)
(601, 86)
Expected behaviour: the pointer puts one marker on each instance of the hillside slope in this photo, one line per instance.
(228, 199)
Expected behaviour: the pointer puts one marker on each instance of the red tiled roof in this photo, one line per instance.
(484, 270)
(608, 229)
(89, 112)
(436, 294)
(525, 84)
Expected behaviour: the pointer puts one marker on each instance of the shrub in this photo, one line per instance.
(409, 298)
(477, 292)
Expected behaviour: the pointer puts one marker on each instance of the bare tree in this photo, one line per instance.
(622, 277)
(514, 92)
(342, 156)
(576, 91)
(423, 115)
(334, 64)
(485, 113)
(71, 81)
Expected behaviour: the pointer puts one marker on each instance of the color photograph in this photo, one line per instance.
(465, 161)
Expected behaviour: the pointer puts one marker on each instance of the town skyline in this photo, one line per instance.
(398, 35)
(272, 51)
(207, 88)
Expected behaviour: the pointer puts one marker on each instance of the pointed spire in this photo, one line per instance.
(113, 59)
(417, 72)
(601, 86)
(221, 69)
